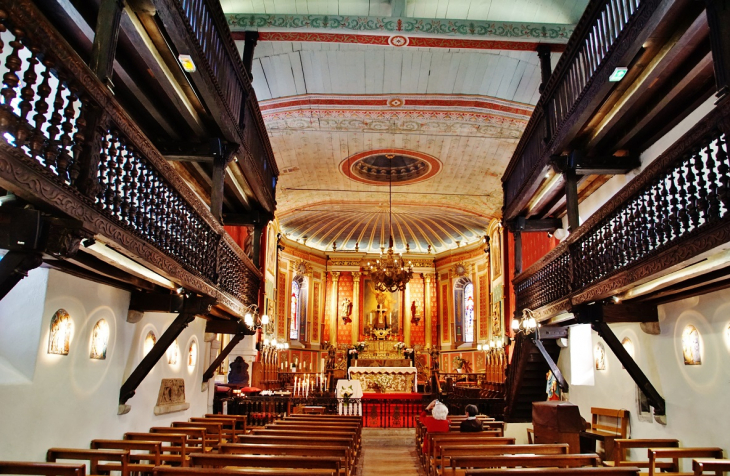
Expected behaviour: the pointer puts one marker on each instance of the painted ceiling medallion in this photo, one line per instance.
(396, 102)
(398, 40)
(375, 167)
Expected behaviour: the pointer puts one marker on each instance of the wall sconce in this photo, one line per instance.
(527, 324)
(253, 321)
(494, 345)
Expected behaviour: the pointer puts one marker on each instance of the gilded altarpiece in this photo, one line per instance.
(281, 307)
(483, 307)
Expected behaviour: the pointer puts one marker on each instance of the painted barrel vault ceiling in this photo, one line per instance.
(339, 96)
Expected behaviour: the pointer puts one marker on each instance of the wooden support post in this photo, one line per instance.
(224, 353)
(258, 229)
(543, 53)
(571, 199)
(188, 308)
(15, 266)
(106, 34)
(222, 156)
(718, 18)
(249, 45)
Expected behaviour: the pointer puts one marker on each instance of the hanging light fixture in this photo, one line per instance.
(389, 272)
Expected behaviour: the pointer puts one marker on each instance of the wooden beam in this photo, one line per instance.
(153, 356)
(518, 252)
(571, 199)
(216, 326)
(551, 363)
(718, 17)
(224, 353)
(14, 266)
(151, 302)
(524, 225)
(106, 34)
(543, 53)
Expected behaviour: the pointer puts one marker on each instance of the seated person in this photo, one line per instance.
(437, 422)
(471, 424)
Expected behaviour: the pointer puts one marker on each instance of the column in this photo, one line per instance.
(333, 314)
(407, 315)
(427, 296)
(355, 306)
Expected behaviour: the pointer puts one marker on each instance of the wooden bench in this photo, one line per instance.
(449, 451)
(151, 452)
(622, 446)
(213, 430)
(486, 425)
(606, 432)
(347, 442)
(241, 420)
(197, 438)
(170, 471)
(717, 466)
(176, 449)
(266, 461)
(42, 469)
(676, 454)
(436, 440)
(229, 429)
(94, 457)
(590, 471)
(310, 432)
(342, 452)
(459, 464)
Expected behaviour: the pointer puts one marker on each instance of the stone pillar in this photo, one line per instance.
(355, 306)
(429, 280)
(333, 315)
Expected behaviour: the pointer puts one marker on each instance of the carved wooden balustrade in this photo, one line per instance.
(600, 38)
(208, 30)
(675, 210)
(68, 145)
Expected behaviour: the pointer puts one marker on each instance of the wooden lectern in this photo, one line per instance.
(557, 422)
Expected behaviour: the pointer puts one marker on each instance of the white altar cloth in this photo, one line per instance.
(354, 407)
(355, 372)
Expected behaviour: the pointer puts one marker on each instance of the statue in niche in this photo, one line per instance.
(239, 371)
(346, 311)
(414, 312)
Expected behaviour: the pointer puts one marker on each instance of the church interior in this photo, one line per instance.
(261, 236)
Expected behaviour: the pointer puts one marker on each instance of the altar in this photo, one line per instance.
(385, 379)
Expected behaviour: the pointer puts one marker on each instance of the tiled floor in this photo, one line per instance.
(387, 452)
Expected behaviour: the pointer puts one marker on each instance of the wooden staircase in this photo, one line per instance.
(526, 378)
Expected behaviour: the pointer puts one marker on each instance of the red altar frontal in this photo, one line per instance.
(391, 410)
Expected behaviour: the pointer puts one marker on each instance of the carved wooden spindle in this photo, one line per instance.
(65, 159)
(103, 168)
(23, 130)
(41, 108)
(10, 82)
(711, 204)
(79, 136)
(51, 154)
(723, 168)
(674, 202)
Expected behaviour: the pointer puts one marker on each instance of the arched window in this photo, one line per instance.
(463, 311)
(298, 309)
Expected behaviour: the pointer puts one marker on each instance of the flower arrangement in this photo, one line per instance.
(360, 346)
(399, 346)
(346, 393)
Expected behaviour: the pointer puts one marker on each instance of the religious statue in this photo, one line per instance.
(239, 371)
(414, 313)
(346, 311)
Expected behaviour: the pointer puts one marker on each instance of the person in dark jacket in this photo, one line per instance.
(471, 424)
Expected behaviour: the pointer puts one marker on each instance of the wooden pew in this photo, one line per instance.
(676, 454)
(170, 471)
(213, 430)
(197, 438)
(94, 457)
(303, 440)
(621, 447)
(266, 461)
(486, 425)
(342, 452)
(229, 429)
(310, 432)
(436, 440)
(717, 466)
(459, 464)
(590, 471)
(600, 430)
(175, 451)
(42, 469)
(151, 452)
(241, 420)
(446, 451)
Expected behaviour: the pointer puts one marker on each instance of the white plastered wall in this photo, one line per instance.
(66, 401)
(696, 396)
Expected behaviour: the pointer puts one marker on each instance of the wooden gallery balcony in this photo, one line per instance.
(88, 160)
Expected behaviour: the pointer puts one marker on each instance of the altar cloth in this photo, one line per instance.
(385, 379)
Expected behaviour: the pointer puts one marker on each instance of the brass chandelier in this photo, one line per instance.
(389, 273)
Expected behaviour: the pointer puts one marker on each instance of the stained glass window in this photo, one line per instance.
(469, 313)
(294, 327)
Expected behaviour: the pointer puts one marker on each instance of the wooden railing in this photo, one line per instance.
(602, 27)
(675, 210)
(68, 144)
(209, 30)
